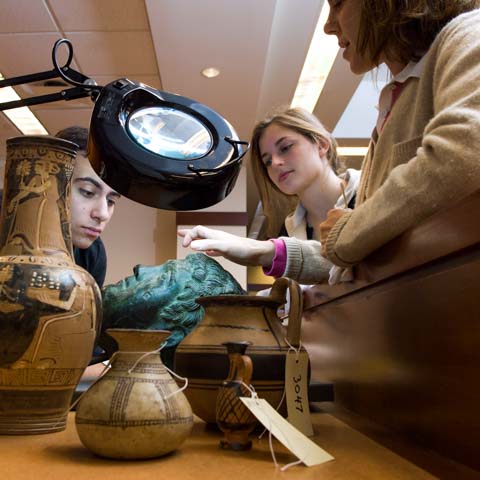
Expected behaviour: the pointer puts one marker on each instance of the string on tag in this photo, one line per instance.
(180, 378)
(297, 462)
(146, 354)
(109, 363)
(297, 354)
(276, 408)
(143, 355)
(252, 391)
(254, 396)
(296, 350)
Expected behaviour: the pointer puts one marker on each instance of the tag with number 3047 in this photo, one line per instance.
(296, 388)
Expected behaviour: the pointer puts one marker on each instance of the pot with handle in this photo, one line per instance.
(235, 318)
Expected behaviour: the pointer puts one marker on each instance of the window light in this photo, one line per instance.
(352, 151)
(321, 55)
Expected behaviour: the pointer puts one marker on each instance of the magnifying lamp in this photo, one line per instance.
(156, 148)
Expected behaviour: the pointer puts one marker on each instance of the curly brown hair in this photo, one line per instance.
(403, 30)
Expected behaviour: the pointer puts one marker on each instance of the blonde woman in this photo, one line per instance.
(295, 166)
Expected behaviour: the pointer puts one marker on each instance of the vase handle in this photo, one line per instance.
(278, 292)
(295, 313)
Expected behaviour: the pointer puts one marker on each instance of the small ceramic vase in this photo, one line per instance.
(233, 417)
(136, 409)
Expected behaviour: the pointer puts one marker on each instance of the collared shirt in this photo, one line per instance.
(296, 224)
(392, 90)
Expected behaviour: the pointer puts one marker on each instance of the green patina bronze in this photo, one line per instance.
(163, 296)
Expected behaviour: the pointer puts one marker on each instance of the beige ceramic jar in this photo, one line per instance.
(136, 410)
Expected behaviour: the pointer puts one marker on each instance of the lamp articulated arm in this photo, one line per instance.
(83, 86)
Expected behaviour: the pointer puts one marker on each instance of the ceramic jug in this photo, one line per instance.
(233, 417)
(231, 318)
(49, 307)
(136, 410)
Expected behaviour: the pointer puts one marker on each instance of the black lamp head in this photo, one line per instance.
(162, 149)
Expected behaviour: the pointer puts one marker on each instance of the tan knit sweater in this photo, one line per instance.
(428, 154)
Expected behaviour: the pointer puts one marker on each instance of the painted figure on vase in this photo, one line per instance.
(38, 197)
(39, 291)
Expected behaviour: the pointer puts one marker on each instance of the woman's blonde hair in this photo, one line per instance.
(403, 30)
(277, 205)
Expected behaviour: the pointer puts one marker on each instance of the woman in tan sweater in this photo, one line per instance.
(425, 152)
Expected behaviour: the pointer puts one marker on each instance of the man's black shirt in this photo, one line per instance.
(93, 259)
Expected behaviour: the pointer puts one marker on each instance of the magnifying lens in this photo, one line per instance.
(162, 150)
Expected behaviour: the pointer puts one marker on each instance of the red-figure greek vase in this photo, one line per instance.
(50, 308)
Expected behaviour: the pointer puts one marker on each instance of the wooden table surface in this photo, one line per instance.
(61, 456)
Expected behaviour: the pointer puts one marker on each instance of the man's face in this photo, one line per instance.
(92, 203)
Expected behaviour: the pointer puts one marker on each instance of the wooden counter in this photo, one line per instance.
(61, 456)
(401, 343)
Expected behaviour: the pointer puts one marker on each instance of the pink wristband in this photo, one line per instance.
(279, 261)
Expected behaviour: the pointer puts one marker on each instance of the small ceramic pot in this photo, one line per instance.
(233, 417)
(136, 409)
(235, 318)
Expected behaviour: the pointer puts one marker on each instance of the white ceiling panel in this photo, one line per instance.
(100, 15)
(293, 26)
(214, 34)
(26, 53)
(114, 53)
(54, 119)
(337, 91)
(19, 16)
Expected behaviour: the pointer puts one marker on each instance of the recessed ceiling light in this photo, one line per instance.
(211, 72)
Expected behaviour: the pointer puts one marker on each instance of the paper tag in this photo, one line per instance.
(300, 445)
(296, 387)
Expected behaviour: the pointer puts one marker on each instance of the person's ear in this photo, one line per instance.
(323, 147)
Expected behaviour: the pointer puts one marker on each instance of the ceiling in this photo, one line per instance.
(258, 45)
